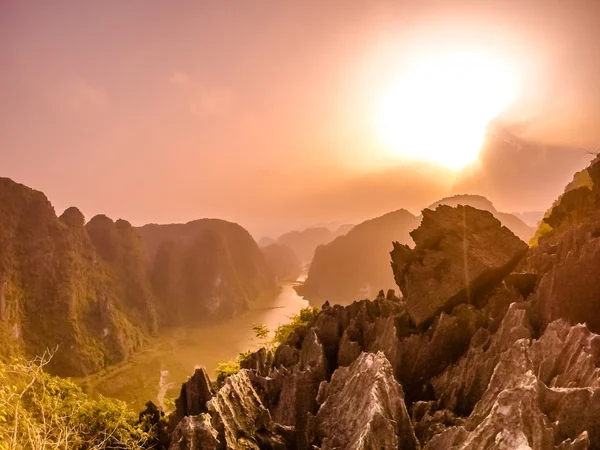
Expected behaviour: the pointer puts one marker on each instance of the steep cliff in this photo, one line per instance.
(56, 291)
(205, 268)
(97, 292)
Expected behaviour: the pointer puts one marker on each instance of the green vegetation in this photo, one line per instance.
(40, 411)
(580, 179)
(229, 368)
(542, 230)
(305, 317)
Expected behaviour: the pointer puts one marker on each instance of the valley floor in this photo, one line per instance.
(156, 373)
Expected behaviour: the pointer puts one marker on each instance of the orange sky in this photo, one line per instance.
(261, 112)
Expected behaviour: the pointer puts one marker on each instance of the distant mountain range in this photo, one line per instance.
(303, 243)
(98, 291)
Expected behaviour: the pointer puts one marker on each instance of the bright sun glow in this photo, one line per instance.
(439, 109)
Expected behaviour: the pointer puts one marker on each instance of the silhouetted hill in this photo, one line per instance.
(304, 243)
(265, 241)
(283, 261)
(56, 289)
(98, 291)
(355, 265)
(205, 267)
(512, 222)
(531, 218)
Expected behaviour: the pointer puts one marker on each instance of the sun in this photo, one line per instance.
(438, 110)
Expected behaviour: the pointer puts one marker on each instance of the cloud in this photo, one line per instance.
(202, 100)
(81, 95)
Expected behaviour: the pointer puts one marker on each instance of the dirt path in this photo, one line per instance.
(163, 387)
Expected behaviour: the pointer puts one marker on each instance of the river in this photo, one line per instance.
(156, 373)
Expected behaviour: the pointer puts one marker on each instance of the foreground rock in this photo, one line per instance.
(460, 254)
(368, 386)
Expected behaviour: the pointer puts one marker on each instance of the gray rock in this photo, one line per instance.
(363, 408)
(460, 254)
(193, 397)
(241, 419)
(348, 350)
(194, 433)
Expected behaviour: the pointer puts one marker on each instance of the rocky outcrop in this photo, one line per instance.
(454, 260)
(193, 433)
(510, 221)
(367, 387)
(241, 419)
(194, 395)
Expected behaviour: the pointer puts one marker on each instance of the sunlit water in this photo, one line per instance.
(157, 372)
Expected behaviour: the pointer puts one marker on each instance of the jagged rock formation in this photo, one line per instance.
(86, 289)
(509, 367)
(283, 262)
(356, 266)
(453, 261)
(383, 422)
(511, 221)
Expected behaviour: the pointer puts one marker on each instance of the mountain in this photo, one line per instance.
(493, 345)
(97, 292)
(283, 262)
(57, 290)
(304, 243)
(356, 265)
(265, 241)
(512, 222)
(205, 268)
(531, 218)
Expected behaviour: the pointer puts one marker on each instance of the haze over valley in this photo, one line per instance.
(356, 225)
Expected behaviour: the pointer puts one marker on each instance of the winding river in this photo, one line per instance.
(157, 372)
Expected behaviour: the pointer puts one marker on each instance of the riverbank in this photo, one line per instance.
(156, 372)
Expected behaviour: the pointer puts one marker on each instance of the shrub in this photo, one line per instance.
(39, 411)
(226, 369)
(305, 318)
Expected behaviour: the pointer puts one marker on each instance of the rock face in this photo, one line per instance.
(510, 221)
(368, 386)
(506, 367)
(454, 260)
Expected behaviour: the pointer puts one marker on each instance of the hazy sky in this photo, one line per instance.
(262, 112)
